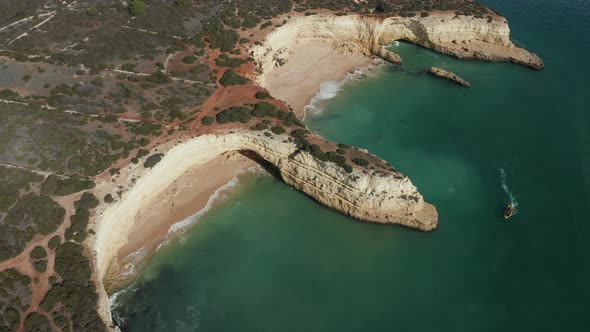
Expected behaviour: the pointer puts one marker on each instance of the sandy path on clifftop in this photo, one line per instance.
(308, 65)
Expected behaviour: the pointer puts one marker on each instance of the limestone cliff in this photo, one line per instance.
(389, 198)
(460, 36)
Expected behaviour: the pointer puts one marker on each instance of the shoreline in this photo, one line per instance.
(190, 194)
(309, 64)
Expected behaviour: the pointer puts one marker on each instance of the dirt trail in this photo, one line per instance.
(26, 33)
(23, 264)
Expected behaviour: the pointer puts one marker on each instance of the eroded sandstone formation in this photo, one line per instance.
(439, 72)
(463, 37)
(388, 198)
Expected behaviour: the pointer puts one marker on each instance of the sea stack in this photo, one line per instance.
(439, 72)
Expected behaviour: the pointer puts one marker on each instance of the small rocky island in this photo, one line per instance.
(439, 72)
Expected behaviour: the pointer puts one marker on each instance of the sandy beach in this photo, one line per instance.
(308, 64)
(186, 196)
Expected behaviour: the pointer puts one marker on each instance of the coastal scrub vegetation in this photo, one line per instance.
(230, 77)
(75, 296)
(15, 298)
(57, 186)
(245, 113)
(30, 215)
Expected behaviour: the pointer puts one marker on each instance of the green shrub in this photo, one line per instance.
(136, 7)
(230, 78)
(262, 110)
(152, 160)
(234, 114)
(40, 266)
(207, 120)
(259, 126)
(189, 59)
(158, 78)
(38, 253)
(347, 168)
(54, 242)
(360, 161)
(128, 67)
(53, 185)
(262, 95)
(225, 61)
(278, 130)
(108, 198)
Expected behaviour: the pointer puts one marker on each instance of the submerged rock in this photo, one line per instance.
(439, 72)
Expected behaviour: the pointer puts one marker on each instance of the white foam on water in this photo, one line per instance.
(113, 305)
(222, 192)
(513, 201)
(330, 89)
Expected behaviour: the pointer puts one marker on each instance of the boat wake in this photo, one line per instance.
(513, 201)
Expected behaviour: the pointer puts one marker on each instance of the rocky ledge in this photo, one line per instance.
(386, 197)
(439, 72)
(463, 37)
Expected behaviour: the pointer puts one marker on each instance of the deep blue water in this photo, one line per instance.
(271, 259)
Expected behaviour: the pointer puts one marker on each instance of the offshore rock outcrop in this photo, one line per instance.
(439, 72)
(463, 37)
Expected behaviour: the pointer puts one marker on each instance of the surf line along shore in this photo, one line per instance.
(192, 191)
(329, 37)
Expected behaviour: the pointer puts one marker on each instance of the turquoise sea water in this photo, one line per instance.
(271, 259)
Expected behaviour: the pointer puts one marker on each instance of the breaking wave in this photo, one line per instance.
(330, 89)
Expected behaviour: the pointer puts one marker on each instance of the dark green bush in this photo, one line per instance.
(136, 7)
(40, 266)
(278, 130)
(225, 61)
(360, 161)
(262, 95)
(189, 59)
(38, 253)
(230, 78)
(207, 120)
(152, 160)
(234, 114)
(108, 198)
(54, 242)
(53, 185)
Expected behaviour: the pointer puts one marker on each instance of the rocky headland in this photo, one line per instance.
(464, 37)
(439, 72)
(381, 197)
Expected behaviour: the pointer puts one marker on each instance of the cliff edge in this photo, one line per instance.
(464, 37)
(387, 198)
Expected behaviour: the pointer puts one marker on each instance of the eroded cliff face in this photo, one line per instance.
(460, 36)
(387, 198)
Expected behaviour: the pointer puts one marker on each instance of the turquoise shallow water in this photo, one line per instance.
(271, 259)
